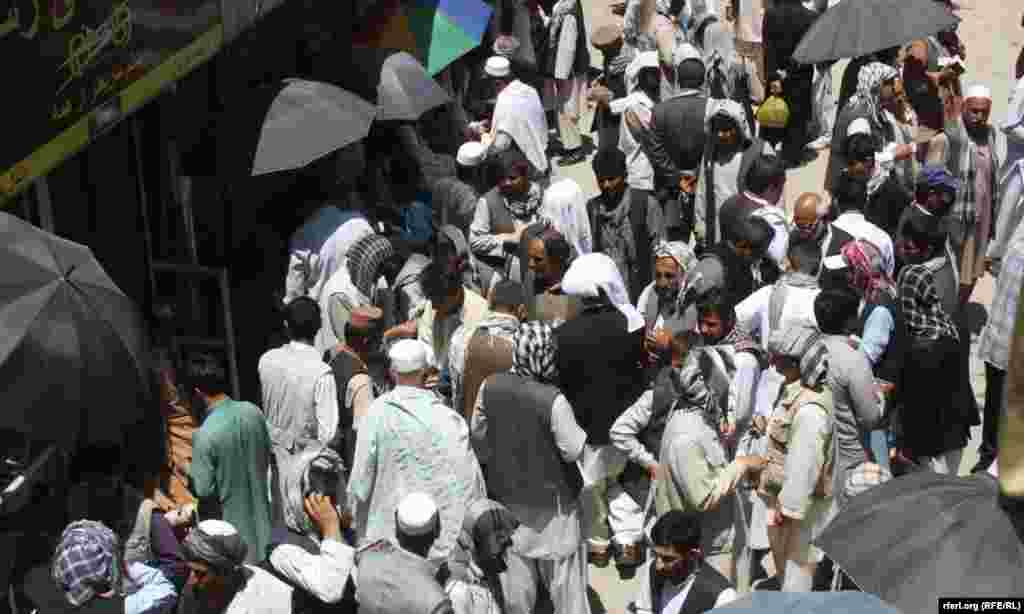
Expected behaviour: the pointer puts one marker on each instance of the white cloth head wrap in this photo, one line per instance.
(565, 207)
(519, 113)
(589, 274)
(731, 109)
(417, 514)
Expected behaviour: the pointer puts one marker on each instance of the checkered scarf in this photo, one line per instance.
(365, 259)
(869, 276)
(534, 354)
(962, 152)
(87, 562)
(225, 553)
(869, 86)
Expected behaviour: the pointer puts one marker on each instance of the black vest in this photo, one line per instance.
(302, 601)
(344, 366)
(707, 586)
(635, 479)
(525, 463)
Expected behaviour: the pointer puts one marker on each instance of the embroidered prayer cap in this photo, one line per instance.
(498, 66)
(366, 317)
(471, 153)
(607, 36)
(216, 543)
(978, 91)
(417, 514)
(408, 356)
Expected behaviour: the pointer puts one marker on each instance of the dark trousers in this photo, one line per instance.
(995, 390)
(678, 211)
(642, 274)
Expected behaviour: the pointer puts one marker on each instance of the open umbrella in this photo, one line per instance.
(773, 602)
(852, 29)
(393, 79)
(306, 121)
(72, 345)
(927, 535)
(436, 32)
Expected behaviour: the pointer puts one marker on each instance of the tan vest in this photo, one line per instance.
(486, 355)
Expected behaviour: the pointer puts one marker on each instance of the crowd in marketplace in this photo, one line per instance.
(732, 400)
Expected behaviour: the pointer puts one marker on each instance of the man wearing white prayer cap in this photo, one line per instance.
(219, 581)
(411, 442)
(396, 577)
(518, 116)
(972, 157)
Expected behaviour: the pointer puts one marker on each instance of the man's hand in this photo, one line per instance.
(688, 183)
(182, 516)
(406, 330)
(654, 471)
(776, 518)
(751, 464)
(658, 342)
(886, 388)
(325, 517)
(903, 152)
(600, 95)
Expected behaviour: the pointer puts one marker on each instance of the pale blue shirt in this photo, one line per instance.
(150, 592)
(877, 333)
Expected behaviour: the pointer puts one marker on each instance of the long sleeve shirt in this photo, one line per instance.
(322, 575)
(805, 459)
(482, 240)
(299, 392)
(566, 52)
(878, 330)
(629, 424)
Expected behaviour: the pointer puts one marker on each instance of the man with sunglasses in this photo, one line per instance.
(677, 579)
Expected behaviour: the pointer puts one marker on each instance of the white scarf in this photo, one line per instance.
(519, 113)
(593, 272)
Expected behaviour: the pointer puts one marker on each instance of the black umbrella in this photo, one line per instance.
(927, 535)
(72, 345)
(394, 79)
(852, 29)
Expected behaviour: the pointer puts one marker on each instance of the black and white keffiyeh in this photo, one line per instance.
(534, 354)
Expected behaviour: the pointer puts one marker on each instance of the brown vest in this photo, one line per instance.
(486, 355)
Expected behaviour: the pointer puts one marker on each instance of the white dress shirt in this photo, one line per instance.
(858, 227)
(322, 575)
(753, 312)
(299, 394)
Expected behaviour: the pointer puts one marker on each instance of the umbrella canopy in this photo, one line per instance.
(72, 345)
(844, 602)
(852, 29)
(306, 121)
(927, 535)
(436, 32)
(393, 79)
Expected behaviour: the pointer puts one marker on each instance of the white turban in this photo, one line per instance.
(593, 272)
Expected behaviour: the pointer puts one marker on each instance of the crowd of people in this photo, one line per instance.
(493, 382)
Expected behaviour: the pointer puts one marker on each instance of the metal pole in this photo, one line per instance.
(229, 332)
(147, 231)
(45, 204)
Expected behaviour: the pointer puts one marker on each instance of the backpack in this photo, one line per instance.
(779, 431)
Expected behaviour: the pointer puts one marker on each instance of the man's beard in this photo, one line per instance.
(667, 293)
(613, 197)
